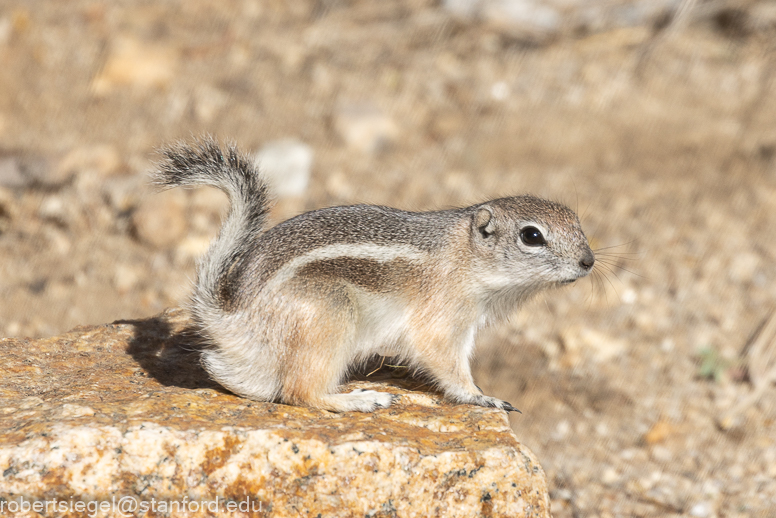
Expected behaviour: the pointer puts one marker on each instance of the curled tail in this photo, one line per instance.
(205, 163)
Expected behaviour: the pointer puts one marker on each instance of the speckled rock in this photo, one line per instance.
(160, 220)
(124, 411)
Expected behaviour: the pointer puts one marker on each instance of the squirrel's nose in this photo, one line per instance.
(588, 260)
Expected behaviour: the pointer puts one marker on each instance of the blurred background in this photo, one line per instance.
(646, 390)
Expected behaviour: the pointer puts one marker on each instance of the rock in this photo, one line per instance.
(447, 124)
(126, 278)
(100, 159)
(534, 19)
(56, 209)
(6, 30)
(123, 413)
(160, 219)
(24, 170)
(286, 164)
(743, 267)
(763, 16)
(338, 185)
(583, 341)
(702, 510)
(659, 432)
(500, 91)
(210, 200)
(208, 207)
(192, 248)
(610, 476)
(137, 64)
(208, 102)
(364, 127)
(540, 20)
(530, 17)
(11, 172)
(463, 8)
(8, 209)
(124, 192)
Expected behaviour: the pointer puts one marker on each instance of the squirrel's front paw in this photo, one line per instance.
(491, 402)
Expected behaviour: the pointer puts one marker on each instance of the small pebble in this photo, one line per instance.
(286, 164)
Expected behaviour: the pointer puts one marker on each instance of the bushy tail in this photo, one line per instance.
(204, 162)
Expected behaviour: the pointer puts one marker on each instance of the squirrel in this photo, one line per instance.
(290, 309)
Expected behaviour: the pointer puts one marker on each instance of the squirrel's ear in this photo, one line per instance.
(485, 222)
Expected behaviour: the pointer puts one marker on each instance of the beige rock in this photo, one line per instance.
(339, 186)
(23, 169)
(208, 208)
(659, 432)
(126, 278)
(583, 341)
(102, 159)
(135, 63)
(11, 174)
(8, 209)
(54, 208)
(160, 220)
(365, 127)
(286, 165)
(446, 124)
(123, 411)
(209, 199)
(192, 248)
(124, 192)
(208, 102)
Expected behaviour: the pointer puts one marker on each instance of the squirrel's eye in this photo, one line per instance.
(532, 236)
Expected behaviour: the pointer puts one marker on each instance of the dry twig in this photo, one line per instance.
(760, 359)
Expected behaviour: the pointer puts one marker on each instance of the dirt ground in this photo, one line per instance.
(645, 389)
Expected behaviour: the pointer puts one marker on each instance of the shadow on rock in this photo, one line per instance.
(168, 347)
(394, 372)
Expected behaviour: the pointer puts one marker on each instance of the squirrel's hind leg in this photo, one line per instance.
(319, 353)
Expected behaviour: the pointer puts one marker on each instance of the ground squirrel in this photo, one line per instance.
(290, 309)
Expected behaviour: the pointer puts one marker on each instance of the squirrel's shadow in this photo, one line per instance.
(170, 353)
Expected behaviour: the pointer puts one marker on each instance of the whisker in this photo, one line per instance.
(584, 212)
(624, 269)
(615, 276)
(610, 265)
(609, 262)
(615, 246)
(615, 259)
(610, 283)
(601, 287)
(607, 259)
(589, 298)
(620, 255)
(600, 283)
(609, 269)
(594, 288)
(576, 193)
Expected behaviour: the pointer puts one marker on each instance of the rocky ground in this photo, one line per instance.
(646, 390)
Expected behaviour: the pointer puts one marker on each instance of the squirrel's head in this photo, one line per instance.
(528, 243)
